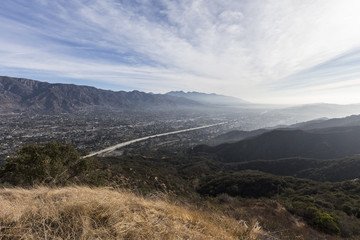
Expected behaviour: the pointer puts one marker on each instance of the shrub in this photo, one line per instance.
(326, 222)
(322, 220)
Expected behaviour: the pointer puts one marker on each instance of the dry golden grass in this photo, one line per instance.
(100, 213)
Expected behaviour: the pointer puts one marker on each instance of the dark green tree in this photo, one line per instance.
(52, 163)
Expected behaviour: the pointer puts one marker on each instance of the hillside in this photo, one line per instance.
(328, 143)
(237, 135)
(284, 207)
(329, 207)
(101, 213)
(19, 94)
(316, 169)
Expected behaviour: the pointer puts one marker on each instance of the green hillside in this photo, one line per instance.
(330, 208)
(329, 143)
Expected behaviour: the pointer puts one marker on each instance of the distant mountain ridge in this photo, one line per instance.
(353, 120)
(238, 135)
(318, 111)
(20, 94)
(209, 98)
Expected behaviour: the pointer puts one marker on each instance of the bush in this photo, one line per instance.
(326, 222)
(322, 220)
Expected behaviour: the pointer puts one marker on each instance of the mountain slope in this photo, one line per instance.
(315, 169)
(18, 94)
(238, 135)
(326, 143)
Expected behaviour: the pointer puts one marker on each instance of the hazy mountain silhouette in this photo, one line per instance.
(318, 111)
(212, 98)
(353, 120)
(19, 94)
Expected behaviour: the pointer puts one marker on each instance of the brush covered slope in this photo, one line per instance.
(327, 143)
(101, 213)
(284, 207)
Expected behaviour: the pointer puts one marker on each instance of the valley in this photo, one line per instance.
(227, 155)
(120, 145)
(179, 120)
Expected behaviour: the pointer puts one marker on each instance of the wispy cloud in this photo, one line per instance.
(258, 50)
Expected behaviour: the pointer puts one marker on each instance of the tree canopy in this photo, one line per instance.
(52, 163)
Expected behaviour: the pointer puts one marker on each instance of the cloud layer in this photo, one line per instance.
(265, 51)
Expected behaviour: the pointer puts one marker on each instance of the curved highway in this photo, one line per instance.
(120, 145)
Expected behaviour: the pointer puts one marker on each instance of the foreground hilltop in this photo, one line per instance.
(200, 198)
(102, 213)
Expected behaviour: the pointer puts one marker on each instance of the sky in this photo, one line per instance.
(264, 51)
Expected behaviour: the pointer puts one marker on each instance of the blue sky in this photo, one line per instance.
(270, 51)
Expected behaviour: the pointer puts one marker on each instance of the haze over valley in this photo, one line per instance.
(210, 144)
(165, 119)
(93, 119)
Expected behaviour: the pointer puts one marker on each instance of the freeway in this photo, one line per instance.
(123, 144)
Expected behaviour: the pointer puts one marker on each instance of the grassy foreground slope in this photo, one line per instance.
(189, 196)
(102, 213)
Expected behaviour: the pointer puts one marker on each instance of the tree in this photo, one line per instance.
(51, 163)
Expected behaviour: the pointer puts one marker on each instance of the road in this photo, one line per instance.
(120, 145)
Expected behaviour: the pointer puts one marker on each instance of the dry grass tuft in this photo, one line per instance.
(100, 213)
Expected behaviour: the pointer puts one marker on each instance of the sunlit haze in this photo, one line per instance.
(271, 51)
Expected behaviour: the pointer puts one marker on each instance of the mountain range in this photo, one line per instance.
(26, 95)
(19, 94)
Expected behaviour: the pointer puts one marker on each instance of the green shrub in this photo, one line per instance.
(326, 222)
(322, 220)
